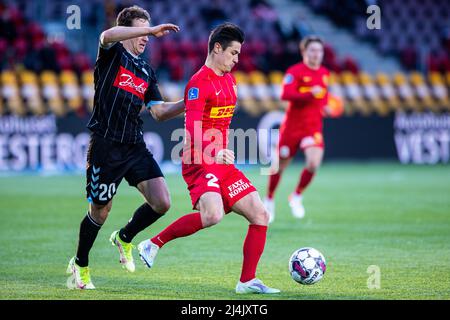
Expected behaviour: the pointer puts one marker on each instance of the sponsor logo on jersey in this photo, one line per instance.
(222, 112)
(306, 79)
(237, 187)
(193, 93)
(318, 95)
(288, 78)
(129, 82)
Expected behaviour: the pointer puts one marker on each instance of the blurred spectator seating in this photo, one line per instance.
(438, 89)
(52, 93)
(417, 31)
(60, 93)
(30, 92)
(11, 93)
(71, 90)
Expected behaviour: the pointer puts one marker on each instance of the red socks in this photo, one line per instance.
(305, 179)
(183, 227)
(253, 245)
(273, 183)
(253, 249)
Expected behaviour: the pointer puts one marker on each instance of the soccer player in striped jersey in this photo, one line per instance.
(216, 186)
(124, 82)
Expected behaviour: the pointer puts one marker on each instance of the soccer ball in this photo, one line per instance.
(307, 266)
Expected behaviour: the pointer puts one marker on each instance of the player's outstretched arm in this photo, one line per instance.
(167, 110)
(291, 93)
(120, 33)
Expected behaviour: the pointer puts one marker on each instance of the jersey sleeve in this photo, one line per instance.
(290, 87)
(195, 101)
(152, 95)
(107, 52)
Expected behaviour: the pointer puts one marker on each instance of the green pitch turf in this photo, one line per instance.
(358, 215)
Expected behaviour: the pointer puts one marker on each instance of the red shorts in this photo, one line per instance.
(290, 141)
(227, 180)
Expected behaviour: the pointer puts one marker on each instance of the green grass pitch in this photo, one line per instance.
(358, 214)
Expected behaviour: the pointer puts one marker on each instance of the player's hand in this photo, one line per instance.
(317, 91)
(225, 156)
(163, 29)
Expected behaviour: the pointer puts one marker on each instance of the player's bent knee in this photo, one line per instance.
(313, 166)
(211, 218)
(258, 215)
(161, 206)
(283, 165)
(261, 218)
(100, 212)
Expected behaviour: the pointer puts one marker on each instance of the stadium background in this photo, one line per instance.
(394, 82)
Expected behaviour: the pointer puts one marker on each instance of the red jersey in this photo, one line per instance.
(305, 109)
(210, 101)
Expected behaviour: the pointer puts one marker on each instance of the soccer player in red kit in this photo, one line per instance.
(216, 186)
(305, 87)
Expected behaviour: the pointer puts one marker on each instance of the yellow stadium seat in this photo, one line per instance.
(354, 94)
(87, 83)
(257, 77)
(31, 93)
(276, 87)
(422, 90)
(71, 90)
(372, 94)
(335, 87)
(262, 91)
(246, 99)
(387, 91)
(10, 92)
(439, 90)
(240, 77)
(276, 77)
(52, 93)
(406, 92)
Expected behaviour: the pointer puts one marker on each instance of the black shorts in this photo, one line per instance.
(108, 162)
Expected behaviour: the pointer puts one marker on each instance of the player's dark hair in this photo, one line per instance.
(224, 34)
(127, 15)
(308, 40)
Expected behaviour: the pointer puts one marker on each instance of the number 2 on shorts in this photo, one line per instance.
(212, 179)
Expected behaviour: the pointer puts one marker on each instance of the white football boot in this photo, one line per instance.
(79, 278)
(296, 204)
(147, 252)
(254, 286)
(125, 251)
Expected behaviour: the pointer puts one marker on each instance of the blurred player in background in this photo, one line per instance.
(305, 86)
(216, 186)
(123, 84)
